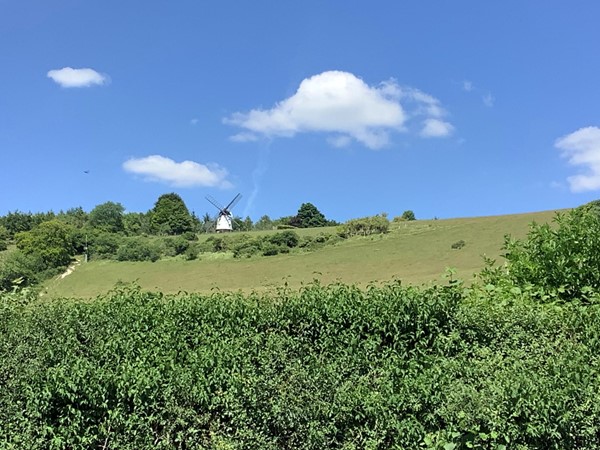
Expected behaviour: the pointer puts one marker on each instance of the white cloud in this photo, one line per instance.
(183, 174)
(194, 122)
(488, 100)
(582, 148)
(425, 104)
(467, 86)
(436, 128)
(68, 77)
(339, 103)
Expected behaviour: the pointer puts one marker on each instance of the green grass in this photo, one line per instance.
(415, 252)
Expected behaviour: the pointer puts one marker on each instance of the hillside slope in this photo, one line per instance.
(414, 252)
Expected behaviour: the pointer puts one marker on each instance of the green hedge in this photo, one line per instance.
(327, 367)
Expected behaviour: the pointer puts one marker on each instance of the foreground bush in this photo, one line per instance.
(326, 367)
(557, 261)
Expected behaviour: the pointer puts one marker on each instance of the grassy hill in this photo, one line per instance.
(415, 252)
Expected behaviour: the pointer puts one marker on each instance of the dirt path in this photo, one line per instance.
(69, 270)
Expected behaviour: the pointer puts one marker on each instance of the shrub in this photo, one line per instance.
(247, 248)
(217, 244)
(191, 253)
(458, 245)
(558, 261)
(174, 246)
(190, 236)
(364, 226)
(103, 245)
(19, 268)
(138, 249)
(285, 239)
(270, 249)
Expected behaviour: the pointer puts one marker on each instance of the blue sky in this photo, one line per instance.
(451, 109)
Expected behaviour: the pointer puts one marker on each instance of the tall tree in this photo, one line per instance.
(170, 215)
(309, 216)
(107, 217)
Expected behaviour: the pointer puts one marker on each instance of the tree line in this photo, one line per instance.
(46, 242)
(169, 216)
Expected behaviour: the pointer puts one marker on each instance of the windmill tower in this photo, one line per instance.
(224, 219)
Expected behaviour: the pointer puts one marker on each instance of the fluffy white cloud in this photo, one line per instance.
(436, 128)
(68, 77)
(467, 86)
(183, 174)
(339, 103)
(582, 148)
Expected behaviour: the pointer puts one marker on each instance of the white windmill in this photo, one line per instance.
(224, 220)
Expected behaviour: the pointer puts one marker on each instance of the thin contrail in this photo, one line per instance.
(257, 175)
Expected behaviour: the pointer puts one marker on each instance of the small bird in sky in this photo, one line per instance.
(86, 171)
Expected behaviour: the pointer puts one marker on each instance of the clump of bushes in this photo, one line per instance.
(319, 241)
(138, 249)
(458, 245)
(103, 245)
(365, 226)
(173, 246)
(17, 268)
(191, 253)
(244, 245)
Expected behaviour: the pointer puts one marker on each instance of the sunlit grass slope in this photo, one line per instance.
(414, 252)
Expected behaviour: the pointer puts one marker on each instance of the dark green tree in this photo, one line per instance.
(408, 215)
(170, 215)
(52, 241)
(309, 216)
(17, 221)
(107, 217)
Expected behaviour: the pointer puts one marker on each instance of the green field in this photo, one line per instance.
(415, 252)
